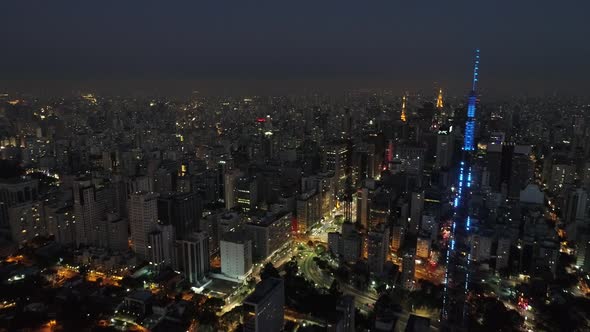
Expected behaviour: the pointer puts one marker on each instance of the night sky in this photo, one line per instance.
(527, 46)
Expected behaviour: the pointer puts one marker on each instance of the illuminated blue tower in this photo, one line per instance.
(468, 144)
(458, 264)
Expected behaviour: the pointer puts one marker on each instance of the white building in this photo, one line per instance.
(236, 255)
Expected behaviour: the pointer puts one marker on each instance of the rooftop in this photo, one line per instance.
(263, 290)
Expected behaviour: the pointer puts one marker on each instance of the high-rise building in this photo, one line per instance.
(269, 233)
(502, 253)
(364, 202)
(344, 319)
(410, 159)
(227, 222)
(363, 164)
(229, 186)
(16, 191)
(398, 235)
(416, 209)
(161, 246)
(118, 229)
(192, 257)
(509, 167)
(90, 210)
(236, 255)
(264, 308)
(308, 211)
(408, 268)
(351, 243)
(561, 175)
(481, 247)
(334, 243)
(26, 221)
(143, 219)
(61, 224)
(181, 210)
(423, 247)
(378, 249)
(336, 160)
(246, 194)
(576, 206)
(444, 148)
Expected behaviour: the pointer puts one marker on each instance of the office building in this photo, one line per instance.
(26, 221)
(398, 236)
(161, 243)
(336, 160)
(181, 210)
(143, 219)
(229, 187)
(192, 257)
(423, 247)
(269, 233)
(90, 209)
(308, 211)
(118, 229)
(378, 249)
(416, 209)
(408, 269)
(444, 148)
(247, 193)
(264, 308)
(576, 206)
(236, 255)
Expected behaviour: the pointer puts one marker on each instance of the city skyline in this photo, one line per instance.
(295, 167)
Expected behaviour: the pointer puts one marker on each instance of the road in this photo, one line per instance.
(312, 272)
(278, 258)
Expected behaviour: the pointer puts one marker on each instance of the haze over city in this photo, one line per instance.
(293, 166)
(533, 47)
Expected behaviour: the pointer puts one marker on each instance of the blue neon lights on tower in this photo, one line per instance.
(468, 144)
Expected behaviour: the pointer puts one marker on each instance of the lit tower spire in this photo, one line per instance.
(468, 144)
(403, 116)
(439, 99)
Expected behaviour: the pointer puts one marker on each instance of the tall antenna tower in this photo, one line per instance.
(468, 143)
(439, 99)
(404, 107)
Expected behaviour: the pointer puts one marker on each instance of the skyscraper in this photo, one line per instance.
(264, 308)
(143, 219)
(336, 160)
(236, 255)
(90, 211)
(161, 246)
(444, 148)
(181, 210)
(408, 268)
(576, 206)
(378, 247)
(416, 209)
(192, 257)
